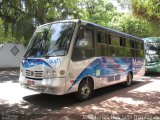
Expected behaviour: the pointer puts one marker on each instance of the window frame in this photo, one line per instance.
(83, 48)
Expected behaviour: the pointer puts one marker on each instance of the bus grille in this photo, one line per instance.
(36, 74)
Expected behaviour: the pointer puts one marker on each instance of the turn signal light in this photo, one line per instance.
(62, 72)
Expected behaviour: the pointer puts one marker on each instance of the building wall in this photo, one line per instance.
(11, 55)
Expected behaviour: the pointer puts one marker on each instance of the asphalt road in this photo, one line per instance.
(142, 98)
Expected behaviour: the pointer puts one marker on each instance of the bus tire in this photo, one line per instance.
(85, 90)
(129, 80)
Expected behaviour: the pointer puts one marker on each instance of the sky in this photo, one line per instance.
(119, 8)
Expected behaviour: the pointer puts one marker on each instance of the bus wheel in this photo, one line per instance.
(128, 82)
(85, 90)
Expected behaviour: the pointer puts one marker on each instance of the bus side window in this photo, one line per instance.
(98, 36)
(101, 38)
(133, 44)
(124, 42)
(142, 46)
(84, 47)
(115, 40)
(109, 39)
(127, 43)
(84, 38)
(138, 46)
(121, 41)
(102, 48)
(140, 50)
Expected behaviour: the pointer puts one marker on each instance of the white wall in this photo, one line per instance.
(7, 59)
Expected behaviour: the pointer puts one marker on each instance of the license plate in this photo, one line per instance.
(30, 82)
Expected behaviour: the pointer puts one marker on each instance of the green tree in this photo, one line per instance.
(100, 12)
(143, 11)
(148, 9)
(129, 24)
(6, 36)
(19, 18)
(22, 16)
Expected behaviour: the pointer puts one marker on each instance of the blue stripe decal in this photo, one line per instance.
(107, 66)
(27, 63)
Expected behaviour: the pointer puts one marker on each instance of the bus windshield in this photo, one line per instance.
(152, 52)
(51, 40)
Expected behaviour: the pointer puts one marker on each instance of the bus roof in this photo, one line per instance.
(112, 30)
(99, 27)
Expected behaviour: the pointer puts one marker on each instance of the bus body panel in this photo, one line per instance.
(77, 71)
(104, 71)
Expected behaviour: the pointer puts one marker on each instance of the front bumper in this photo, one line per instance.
(55, 86)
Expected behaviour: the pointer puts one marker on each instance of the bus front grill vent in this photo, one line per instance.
(37, 74)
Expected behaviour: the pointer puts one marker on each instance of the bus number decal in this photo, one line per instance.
(54, 61)
(137, 62)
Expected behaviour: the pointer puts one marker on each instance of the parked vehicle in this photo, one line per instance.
(152, 47)
(78, 56)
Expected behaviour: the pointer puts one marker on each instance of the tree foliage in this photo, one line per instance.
(19, 18)
(22, 16)
(100, 12)
(129, 24)
(148, 9)
(5, 36)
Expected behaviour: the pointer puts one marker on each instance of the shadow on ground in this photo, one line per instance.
(11, 78)
(116, 100)
(152, 74)
(9, 75)
(40, 105)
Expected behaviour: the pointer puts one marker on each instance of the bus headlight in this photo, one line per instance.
(50, 74)
(54, 73)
